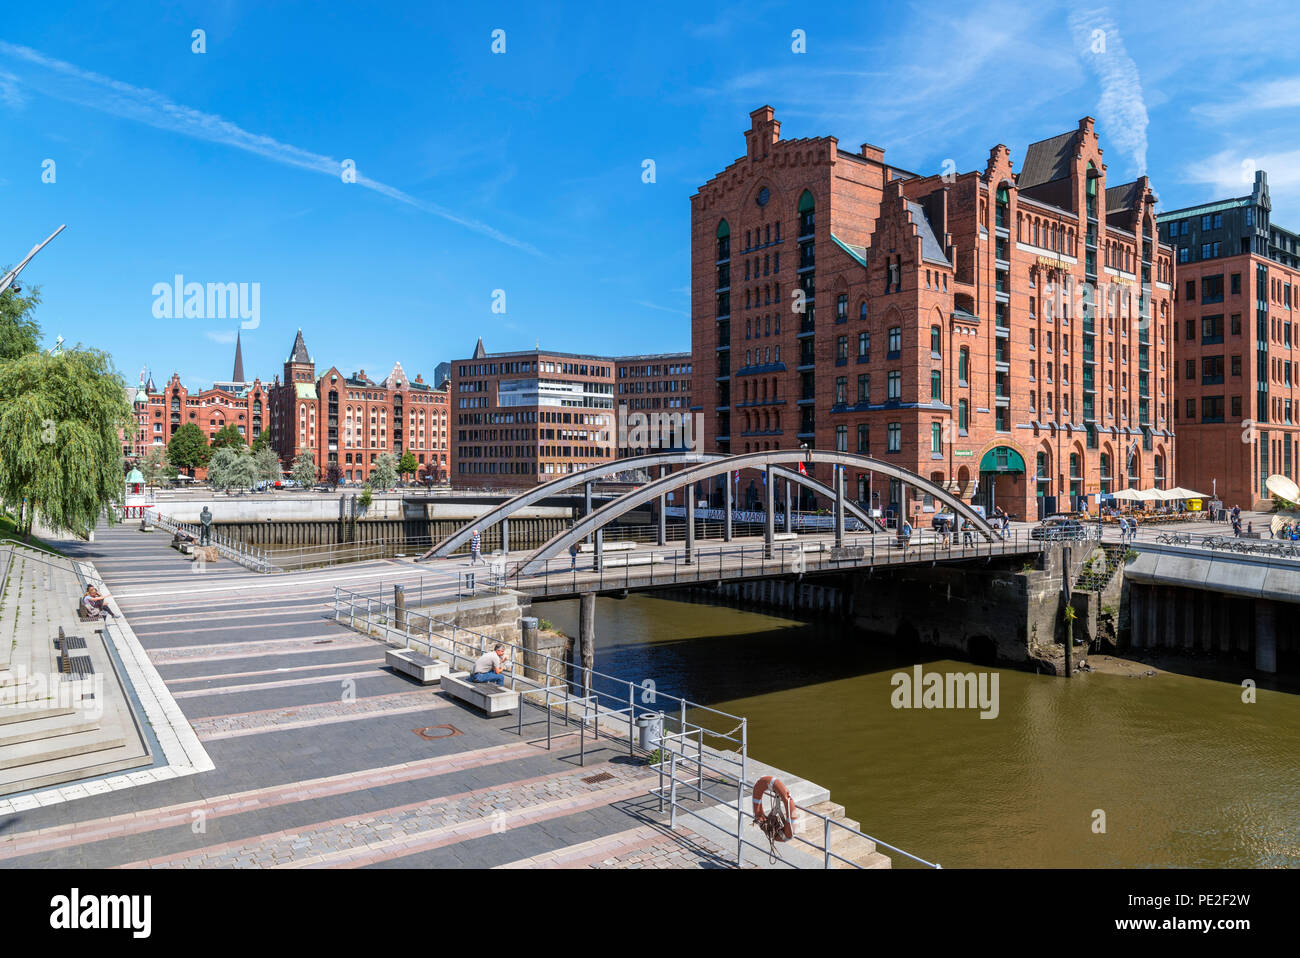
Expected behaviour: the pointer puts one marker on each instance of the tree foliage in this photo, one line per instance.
(232, 468)
(155, 466)
(262, 440)
(384, 474)
(304, 470)
(228, 436)
(188, 448)
(19, 333)
(60, 457)
(267, 464)
(408, 465)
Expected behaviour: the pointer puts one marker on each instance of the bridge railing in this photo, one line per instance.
(613, 707)
(647, 568)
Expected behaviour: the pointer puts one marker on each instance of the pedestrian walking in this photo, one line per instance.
(573, 556)
(475, 547)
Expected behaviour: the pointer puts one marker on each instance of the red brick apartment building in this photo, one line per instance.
(348, 421)
(1236, 345)
(159, 413)
(983, 329)
(526, 417)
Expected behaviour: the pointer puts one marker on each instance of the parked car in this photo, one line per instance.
(1061, 530)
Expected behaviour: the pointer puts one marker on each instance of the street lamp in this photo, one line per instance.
(13, 273)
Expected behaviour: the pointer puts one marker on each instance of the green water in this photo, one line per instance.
(1185, 773)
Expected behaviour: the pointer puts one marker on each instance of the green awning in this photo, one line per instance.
(1002, 459)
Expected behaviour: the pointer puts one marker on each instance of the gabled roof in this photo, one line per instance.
(396, 379)
(1047, 160)
(479, 351)
(859, 253)
(299, 352)
(1122, 197)
(930, 248)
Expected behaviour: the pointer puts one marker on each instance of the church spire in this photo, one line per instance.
(238, 375)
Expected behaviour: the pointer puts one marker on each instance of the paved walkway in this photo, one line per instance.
(322, 757)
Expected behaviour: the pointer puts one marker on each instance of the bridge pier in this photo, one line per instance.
(789, 506)
(690, 523)
(663, 514)
(769, 513)
(505, 535)
(598, 554)
(586, 498)
(839, 506)
(726, 509)
(586, 639)
(1265, 637)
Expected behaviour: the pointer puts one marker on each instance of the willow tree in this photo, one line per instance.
(60, 456)
(304, 470)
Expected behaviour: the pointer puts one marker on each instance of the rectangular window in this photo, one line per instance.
(864, 439)
(895, 385)
(864, 346)
(841, 438)
(895, 342)
(936, 386)
(895, 437)
(864, 389)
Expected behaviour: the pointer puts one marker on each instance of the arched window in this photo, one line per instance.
(1003, 211)
(807, 214)
(862, 310)
(936, 341)
(963, 365)
(724, 240)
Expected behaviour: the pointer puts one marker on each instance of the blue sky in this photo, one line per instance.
(522, 171)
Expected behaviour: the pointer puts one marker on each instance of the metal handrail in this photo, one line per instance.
(347, 604)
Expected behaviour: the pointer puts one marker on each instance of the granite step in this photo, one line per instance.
(44, 729)
(30, 753)
(9, 715)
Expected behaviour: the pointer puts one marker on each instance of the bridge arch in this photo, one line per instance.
(599, 518)
(649, 461)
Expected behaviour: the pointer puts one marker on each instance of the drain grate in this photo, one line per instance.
(69, 642)
(597, 779)
(437, 731)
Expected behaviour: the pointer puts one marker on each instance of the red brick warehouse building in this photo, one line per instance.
(348, 421)
(1236, 345)
(983, 329)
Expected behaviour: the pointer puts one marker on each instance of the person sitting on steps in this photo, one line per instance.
(94, 605)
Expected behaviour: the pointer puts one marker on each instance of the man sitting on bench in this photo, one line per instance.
(488, 666)
(94, 605)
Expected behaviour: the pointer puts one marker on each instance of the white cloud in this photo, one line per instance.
(64, 81)
(1121, 110)
(11, 93)
(1268, 95)
(1231, 172)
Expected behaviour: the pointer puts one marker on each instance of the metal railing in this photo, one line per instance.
(606, 705)
(250, 557)
(640, 568)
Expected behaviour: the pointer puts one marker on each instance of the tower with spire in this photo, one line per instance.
(299, 367)
(237, 385)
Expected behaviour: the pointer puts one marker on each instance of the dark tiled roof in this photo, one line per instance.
(299, 352)
(930, 248)
(1046, 160)
(1122, 197)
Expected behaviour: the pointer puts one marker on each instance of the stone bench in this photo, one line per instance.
(621, 545)
(423, 668)
(491, 698)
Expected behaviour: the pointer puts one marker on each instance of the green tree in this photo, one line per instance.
(155, 465)
(267, 464)
(189, 448)
(333, 475)
(262, 440)
(384, 474)
(60, 458)
(232, 468)
(366, 497)
(408, 465)
(228, 436)
(304, 470)
(19, 333)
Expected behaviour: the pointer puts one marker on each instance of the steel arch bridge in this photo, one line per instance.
(715, 465)
(503, 512)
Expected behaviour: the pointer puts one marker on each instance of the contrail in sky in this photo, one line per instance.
(64, 81)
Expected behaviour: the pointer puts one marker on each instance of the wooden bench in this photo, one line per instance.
(491, 698)
(423, 668)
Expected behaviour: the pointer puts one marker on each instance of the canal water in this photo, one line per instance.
(1177, 770)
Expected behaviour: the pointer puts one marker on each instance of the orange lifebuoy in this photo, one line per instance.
(761, 818)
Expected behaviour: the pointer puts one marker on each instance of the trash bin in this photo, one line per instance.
(650, 731)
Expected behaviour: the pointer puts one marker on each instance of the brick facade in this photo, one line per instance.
(938, 322)
(1235, 337)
